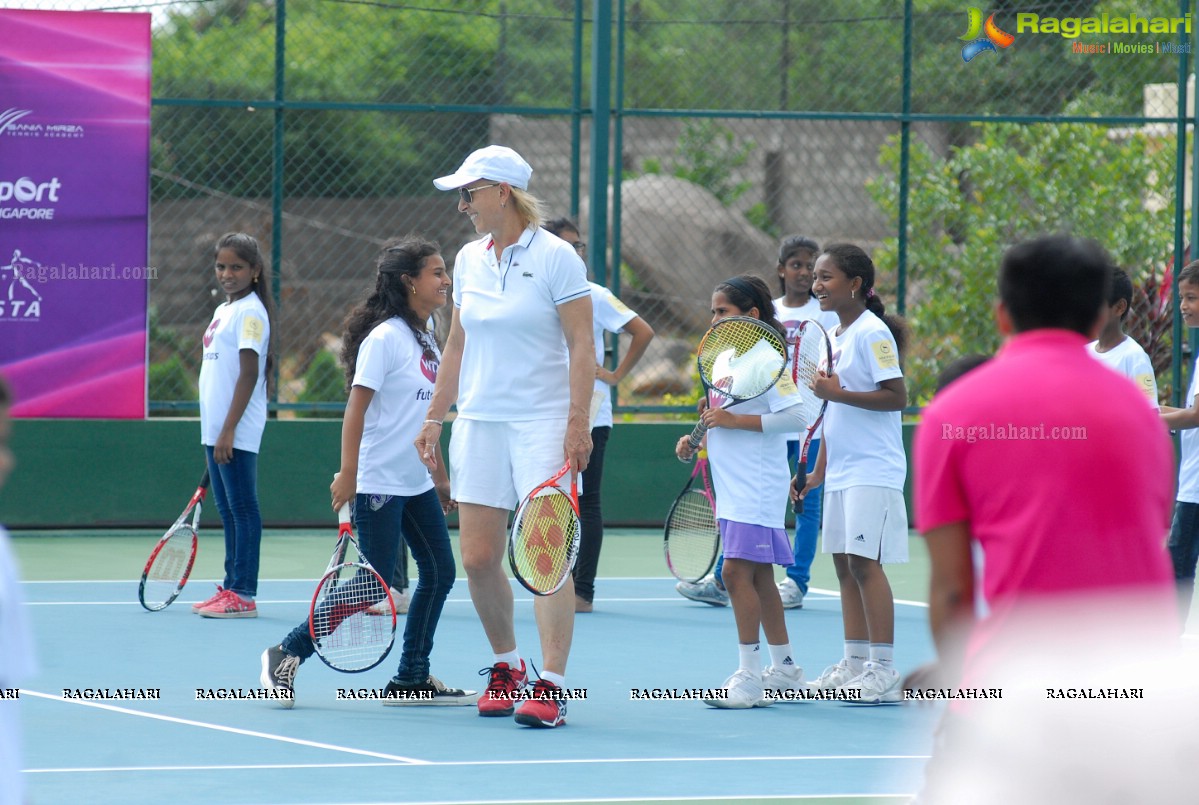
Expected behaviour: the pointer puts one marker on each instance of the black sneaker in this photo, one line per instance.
(430, 693)
(279, 673)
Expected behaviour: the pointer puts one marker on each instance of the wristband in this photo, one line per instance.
(437, 422)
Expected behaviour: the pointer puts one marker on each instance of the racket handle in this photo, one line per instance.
(343, 514)
(801, 480)
(697, 435)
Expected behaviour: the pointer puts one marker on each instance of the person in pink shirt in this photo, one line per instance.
(1063, 476)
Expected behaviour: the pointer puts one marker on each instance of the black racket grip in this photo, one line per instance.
(801, 480)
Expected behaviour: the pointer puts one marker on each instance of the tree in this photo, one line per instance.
(1013, 183)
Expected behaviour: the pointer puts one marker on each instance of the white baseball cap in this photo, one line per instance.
(496, 162)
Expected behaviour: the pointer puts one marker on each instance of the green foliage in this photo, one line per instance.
(708, 153)
(170, 380)
(324, 382)
(967, 208)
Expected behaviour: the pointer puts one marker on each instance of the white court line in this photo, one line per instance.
(221, 728)
(446, 763)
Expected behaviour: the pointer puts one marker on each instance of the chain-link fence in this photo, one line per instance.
(318, 126)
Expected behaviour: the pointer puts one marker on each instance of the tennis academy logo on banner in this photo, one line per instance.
(982, 37)
(14, 124)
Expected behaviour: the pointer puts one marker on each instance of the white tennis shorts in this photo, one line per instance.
(869, 521)
(498, 463)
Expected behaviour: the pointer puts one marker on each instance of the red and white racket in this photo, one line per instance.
(171, 561)
(812, 354)
(346, 637)
(691, 540)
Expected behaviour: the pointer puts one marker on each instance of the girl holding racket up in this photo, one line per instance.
(237, 362)
(747, 448)
(862, 466)
(391, 363)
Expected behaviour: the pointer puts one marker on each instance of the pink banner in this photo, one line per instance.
(74, 211)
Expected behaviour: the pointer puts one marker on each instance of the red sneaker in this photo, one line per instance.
(502, 682)
(229, 605)
(545, 708)
(196, 607)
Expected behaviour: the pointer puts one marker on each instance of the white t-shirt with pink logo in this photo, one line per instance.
(401, 370)
(235, 326)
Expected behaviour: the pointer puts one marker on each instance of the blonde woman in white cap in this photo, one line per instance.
(520, 364)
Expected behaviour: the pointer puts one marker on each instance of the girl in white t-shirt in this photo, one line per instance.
(747, 447)
(862, 466)
(237, 362)
(391, 362)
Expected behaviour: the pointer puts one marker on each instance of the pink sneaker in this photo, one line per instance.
(196, 607)
(229, 605)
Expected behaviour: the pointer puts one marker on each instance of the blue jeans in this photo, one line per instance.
(807, 526)
(591, 517)
(235, 491)
(1184, 552)
(380, 522)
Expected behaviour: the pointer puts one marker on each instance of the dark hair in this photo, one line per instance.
(246, 247)
(401, 257)
(746, 291)
(5, 392)
(1058, 282)
(556, 226)
(789, 246)
(1189, 273)
(956, 368)
(1121, 289)
(852, 261)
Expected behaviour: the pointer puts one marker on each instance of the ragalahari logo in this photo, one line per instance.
(981, 37)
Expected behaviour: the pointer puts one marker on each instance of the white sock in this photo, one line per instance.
(557, 679)
(881, 654)
(781, 655)
(511, 657)
(751, 657)
(857, 652)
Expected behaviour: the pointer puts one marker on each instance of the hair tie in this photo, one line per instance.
(869, 293)
(740, 285)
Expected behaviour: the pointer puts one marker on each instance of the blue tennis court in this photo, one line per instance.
(329, 750)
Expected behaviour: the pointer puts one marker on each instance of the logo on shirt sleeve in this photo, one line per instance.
(785, 386)
(1145, 382)
(251, 329)
(884, 355)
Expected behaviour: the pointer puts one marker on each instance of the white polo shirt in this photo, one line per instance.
(241, 325)
(864, 448)
(401, 371)
(608, 314)
(1130, 359)
(515, 365)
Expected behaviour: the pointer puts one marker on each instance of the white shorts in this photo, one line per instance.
(869, 521)
(497, 463)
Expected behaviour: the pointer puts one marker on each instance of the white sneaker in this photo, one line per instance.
(399, 598)
(790, 593)
(877, 684)
(784, 683)
(743, 690)
(834, 676)
(705, 591)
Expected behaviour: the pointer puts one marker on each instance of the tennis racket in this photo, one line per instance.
(544, 542)
(739, 358)
(813, 353)
(345, 637)
(692, 538)
(171, 561)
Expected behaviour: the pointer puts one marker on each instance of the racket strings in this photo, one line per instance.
(546, 536)
(810, 360)
(745, 357)
(692, 536)
(348, 637)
